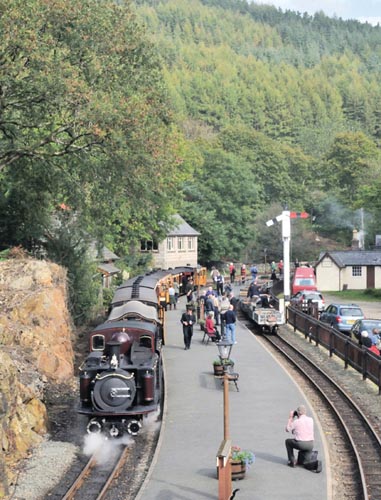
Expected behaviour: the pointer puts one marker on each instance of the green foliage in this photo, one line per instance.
(295, 97)
(85, 123)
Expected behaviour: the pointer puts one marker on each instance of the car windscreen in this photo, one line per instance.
(305, 282)
(313, 296)
(350, 311)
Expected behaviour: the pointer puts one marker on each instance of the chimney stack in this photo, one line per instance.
(355, 240)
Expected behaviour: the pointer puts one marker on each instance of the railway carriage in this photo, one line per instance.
(121, 378)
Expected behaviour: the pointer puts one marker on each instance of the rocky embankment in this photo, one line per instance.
(35, 351)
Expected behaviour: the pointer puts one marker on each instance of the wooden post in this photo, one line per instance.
(226, 405)
(224, 470)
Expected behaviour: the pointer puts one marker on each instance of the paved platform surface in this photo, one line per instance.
(184, 467)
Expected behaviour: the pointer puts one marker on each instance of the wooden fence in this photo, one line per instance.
(358, 357)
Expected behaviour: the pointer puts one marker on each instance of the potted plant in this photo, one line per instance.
(218, 366)
(240, 461)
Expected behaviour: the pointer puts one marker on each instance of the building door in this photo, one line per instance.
(370, 277)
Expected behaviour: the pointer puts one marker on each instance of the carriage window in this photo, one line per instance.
(98, 343)
(145, 341)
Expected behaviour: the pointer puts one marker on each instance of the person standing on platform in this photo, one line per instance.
(302, 429)
(233, 300)
(254, 272)
(220, 283)
(224, 307)
(280, 268)
(177, 290)
(209, 305)
(188, 319)
(172, 297)
(189, 291)
(230, 320)
(232, 273)
(243, 274)
(216, 310)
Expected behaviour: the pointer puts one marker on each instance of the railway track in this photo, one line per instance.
(359, 442)
(356, 439)
(97, 476)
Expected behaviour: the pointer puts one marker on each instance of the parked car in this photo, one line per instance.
(304, 279)
(342, 316)
(365, 324)
(302, 298)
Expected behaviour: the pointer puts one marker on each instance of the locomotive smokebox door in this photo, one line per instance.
(114, 391)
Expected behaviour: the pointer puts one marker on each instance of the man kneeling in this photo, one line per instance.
(302, 429)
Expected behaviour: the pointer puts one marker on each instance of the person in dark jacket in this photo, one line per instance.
(253, 290)
(209, 305)
(230, 320)
(188, 319)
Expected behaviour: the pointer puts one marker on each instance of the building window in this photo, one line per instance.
(170, 243)
(356, 270)
(149, 246)
(190, 243)
(180, 243)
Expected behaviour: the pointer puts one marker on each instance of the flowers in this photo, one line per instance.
(226, 362)
(240, 455)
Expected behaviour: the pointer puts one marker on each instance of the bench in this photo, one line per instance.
(209, 337)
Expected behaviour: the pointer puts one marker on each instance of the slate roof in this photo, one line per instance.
(182, 228)
(106, 254)
(353, 258)
(108, 268)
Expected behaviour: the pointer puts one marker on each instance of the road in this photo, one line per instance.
(372, 310)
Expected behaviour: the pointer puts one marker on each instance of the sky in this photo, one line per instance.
(362, 10)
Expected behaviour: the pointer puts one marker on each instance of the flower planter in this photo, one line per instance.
(238, 469)
(218, 370)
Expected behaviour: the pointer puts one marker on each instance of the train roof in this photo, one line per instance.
(148, 281)
(134, 309)
(128, 324)
(126, 294)
(183, 269)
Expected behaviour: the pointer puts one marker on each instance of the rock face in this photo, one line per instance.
(35, 348)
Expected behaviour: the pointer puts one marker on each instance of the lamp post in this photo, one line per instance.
(223, 456)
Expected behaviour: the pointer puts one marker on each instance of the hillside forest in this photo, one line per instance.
(116, 115)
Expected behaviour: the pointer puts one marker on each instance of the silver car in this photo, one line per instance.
(342, 316)
(304, 297)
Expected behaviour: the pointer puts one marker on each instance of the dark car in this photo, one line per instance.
(365, 324)
(342, 316)
(302, 299)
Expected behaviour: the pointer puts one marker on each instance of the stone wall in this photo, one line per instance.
(35, 348)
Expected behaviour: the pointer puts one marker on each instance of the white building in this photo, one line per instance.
(180, 247)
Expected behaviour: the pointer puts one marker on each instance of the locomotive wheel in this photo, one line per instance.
(114, 393)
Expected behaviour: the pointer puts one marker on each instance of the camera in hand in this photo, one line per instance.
(295, 414)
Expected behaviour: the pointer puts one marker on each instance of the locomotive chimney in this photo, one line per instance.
(113, 348)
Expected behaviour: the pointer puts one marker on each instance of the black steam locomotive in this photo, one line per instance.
(121, 380)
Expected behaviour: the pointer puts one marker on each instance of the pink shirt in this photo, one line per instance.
(302, 428)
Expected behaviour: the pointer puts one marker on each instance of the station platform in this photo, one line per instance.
(184, 466)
